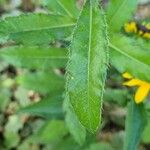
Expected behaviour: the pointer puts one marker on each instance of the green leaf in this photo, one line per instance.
(87, 65)
(135, 123)
(43, 82)
(48, 108)
(146, 136)
(128, 56)
(120, 11)
(75, 128)
(52, 131)
(35, 28)
(116, 96)
(100, 146)
(63, 7)
(34, 57)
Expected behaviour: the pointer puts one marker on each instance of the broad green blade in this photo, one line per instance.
(128, 56)
(135, 123)
(87, 66)
(33, 29)
(35, 57)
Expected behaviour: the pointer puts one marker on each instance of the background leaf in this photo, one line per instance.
(33, 29)
(135, 123)
(63, 7)
(43, 82)
(34, 57)
(48, 108)
(52, 131)
(120, 11)
(131, 57)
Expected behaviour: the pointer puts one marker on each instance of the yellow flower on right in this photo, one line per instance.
(143, 87)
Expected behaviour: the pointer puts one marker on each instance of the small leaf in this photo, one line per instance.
(34, 57)
(47, 108)
(135, 123)
(87, 66)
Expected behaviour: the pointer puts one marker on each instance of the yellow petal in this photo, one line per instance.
(146, 35)
(127, 75)
(130, 27)
(133, 82)
(141, 93)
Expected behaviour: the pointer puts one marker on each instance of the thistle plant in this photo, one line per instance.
(67, 53)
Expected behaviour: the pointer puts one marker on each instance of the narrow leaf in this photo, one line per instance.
(34, 57)
(35, 28)
(48, 108)
(87, 65)
(135, 123)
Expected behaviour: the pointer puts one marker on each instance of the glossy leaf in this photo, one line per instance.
(35, 28)
(87, 65)
(127, 56)
(35, 57)
(120, 11)
(135, 123)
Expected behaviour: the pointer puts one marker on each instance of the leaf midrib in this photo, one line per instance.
(33, 57)
(43, 28)
(89, 58)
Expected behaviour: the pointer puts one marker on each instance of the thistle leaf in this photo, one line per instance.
(87, 66)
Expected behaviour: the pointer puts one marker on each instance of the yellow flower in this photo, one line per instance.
(139, 29)
(130, 27)
(143, 87)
